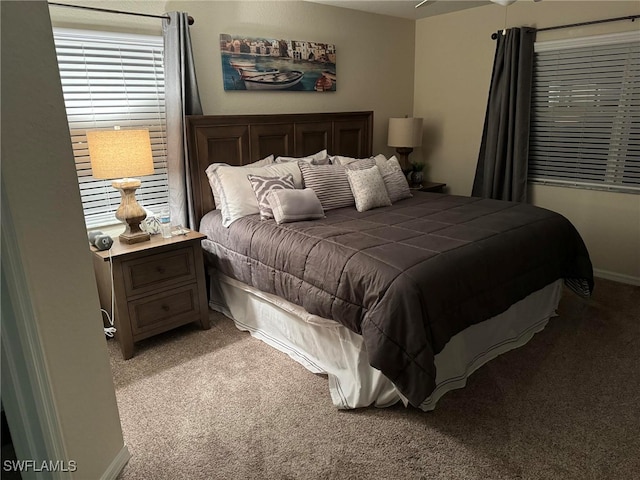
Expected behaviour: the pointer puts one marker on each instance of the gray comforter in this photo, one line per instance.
(407, 277)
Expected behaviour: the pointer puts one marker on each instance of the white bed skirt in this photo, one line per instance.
(324, 346)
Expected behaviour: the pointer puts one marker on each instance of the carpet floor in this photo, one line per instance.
(218, 404)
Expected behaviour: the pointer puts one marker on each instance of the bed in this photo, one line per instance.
(397, 303)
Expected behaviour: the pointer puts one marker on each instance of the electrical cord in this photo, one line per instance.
(110, 330)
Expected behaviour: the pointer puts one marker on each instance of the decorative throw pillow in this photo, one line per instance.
(340, 160)
(394, 180)
(381, 160)
(237, 199)
(295, 205)
(263, 185)
(211, 168)
(361, 164)
(330, 183)
(368, 188)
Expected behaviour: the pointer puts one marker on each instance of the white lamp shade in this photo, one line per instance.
(120, 153)
(405, 132)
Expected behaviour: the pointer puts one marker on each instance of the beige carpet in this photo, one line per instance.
(219, 404)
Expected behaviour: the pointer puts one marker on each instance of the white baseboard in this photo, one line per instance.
(616, 277)
(117, 464)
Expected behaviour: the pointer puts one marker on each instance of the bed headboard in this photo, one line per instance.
(242, 139)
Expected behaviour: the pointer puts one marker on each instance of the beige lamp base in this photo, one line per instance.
(130, 212)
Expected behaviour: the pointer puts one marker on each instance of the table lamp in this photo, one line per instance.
(118, 155)
(404, 134)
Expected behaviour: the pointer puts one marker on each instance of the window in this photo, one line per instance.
(108, 80)
(585, 124)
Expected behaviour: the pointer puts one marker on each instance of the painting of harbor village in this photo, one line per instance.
(277, 65)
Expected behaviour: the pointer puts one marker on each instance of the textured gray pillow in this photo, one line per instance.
(295, 205)
(394, 180)
(263, 185)
(330, 183)
(368, 188)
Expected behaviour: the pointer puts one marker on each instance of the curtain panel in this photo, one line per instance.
(501, 172)
(181, 98)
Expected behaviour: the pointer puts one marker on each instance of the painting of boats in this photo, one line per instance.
(273, 81)
(262, 64)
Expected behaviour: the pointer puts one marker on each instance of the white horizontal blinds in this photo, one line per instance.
(585, 124)
(108, 80)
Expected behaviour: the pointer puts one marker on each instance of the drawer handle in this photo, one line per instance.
(166, 308)
(160, 269)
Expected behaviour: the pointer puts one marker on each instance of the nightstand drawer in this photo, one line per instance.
(154, 272)
(155, 313)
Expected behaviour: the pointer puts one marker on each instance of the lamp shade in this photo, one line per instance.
(120, 153)
(405, 132)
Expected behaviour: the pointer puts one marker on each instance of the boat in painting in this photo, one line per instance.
(329, 74)
(273, 81)
(254, 72)
(324, 83)
(241, 63)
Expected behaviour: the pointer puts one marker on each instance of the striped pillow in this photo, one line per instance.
(262, 186)
(330, 183)
(394, 180)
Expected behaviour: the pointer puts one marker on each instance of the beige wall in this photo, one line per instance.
(37, 170)
(454, 56)
(375, 53)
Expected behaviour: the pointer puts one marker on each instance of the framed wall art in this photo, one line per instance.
(262, 64)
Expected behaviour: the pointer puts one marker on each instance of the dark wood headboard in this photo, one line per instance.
(242, 139)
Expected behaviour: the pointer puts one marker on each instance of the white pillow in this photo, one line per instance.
(340, 160)
(237, 198)
(216, 195)
(316, 157)
(368, 188)
(381, 160)
(268, 160)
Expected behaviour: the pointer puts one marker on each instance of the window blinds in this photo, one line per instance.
(585, 124)
(108, 80)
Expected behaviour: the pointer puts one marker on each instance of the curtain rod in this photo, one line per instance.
(594, 22)
(96, 9)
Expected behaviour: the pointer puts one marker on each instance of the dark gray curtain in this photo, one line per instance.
(502, 163)
(181, 98)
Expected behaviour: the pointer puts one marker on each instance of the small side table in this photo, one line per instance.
(431, 187)
(158, 285)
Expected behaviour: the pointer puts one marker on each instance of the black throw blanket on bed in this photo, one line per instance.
(407, 277)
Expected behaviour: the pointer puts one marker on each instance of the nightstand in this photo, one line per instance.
(158, 285)
(431, 187)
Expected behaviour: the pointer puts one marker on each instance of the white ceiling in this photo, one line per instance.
(405, 8)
